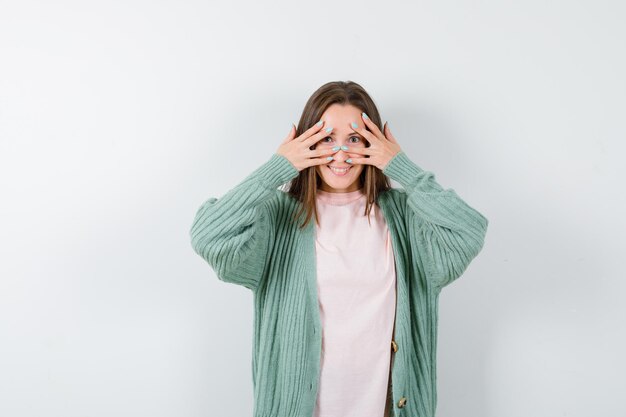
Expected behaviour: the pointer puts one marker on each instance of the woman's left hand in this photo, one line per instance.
(383, 147)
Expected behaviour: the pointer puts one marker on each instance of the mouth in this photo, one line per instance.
(340, 172)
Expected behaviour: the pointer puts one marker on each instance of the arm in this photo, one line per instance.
(453, 231)
(233, 233)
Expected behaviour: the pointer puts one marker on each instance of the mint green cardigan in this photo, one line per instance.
(248, 238)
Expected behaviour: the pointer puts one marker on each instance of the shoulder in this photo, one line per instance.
(395, 193)
(393, 196)
(283, 198)
(280, 203)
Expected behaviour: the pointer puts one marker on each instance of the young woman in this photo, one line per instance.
(346, 306)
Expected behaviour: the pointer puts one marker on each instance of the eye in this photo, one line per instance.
(358, 139)
(324, 140)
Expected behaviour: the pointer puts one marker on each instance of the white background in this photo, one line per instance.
(119, 118)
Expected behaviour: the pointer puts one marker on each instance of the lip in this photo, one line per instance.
(339, 174)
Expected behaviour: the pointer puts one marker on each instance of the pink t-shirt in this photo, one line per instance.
(357, 296)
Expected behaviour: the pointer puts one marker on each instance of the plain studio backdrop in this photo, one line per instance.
(119, 118)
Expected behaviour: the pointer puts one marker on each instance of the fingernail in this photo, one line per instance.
(349, 160)
(329, 158)
(365, 115)
(354, 125)
(336, 148)
(319, 123)
(328, 129)
(344, 147)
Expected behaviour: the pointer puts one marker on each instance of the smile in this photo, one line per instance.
(339, 171)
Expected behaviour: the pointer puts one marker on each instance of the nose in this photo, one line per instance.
(341, 155)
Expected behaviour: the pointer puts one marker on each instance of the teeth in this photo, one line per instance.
(339, 170)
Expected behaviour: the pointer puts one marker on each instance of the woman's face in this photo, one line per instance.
(339, 117)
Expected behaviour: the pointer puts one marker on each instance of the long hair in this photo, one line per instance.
(304, 187)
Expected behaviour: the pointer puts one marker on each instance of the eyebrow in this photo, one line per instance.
(351, 134)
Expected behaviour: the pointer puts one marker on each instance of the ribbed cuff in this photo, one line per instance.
(276, 171)
(402, 169)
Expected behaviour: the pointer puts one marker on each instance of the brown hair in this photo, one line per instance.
(304, 187)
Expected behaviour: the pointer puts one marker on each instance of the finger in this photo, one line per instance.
(312, 140)
(318, 161)
(323, 152)
(311, 131)
(388, 134)
(368, 135)
(361, 151)
(291, 135)
(373, 127)
(363, 161)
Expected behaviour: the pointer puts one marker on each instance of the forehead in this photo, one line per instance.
(341, 115)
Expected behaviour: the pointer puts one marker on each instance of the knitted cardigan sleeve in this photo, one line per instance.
(453, 231)
(233, 233)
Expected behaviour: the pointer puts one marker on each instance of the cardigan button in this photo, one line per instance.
(394, 346)
(401, 402)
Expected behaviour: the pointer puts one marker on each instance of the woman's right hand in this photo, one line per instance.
(298, 150)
